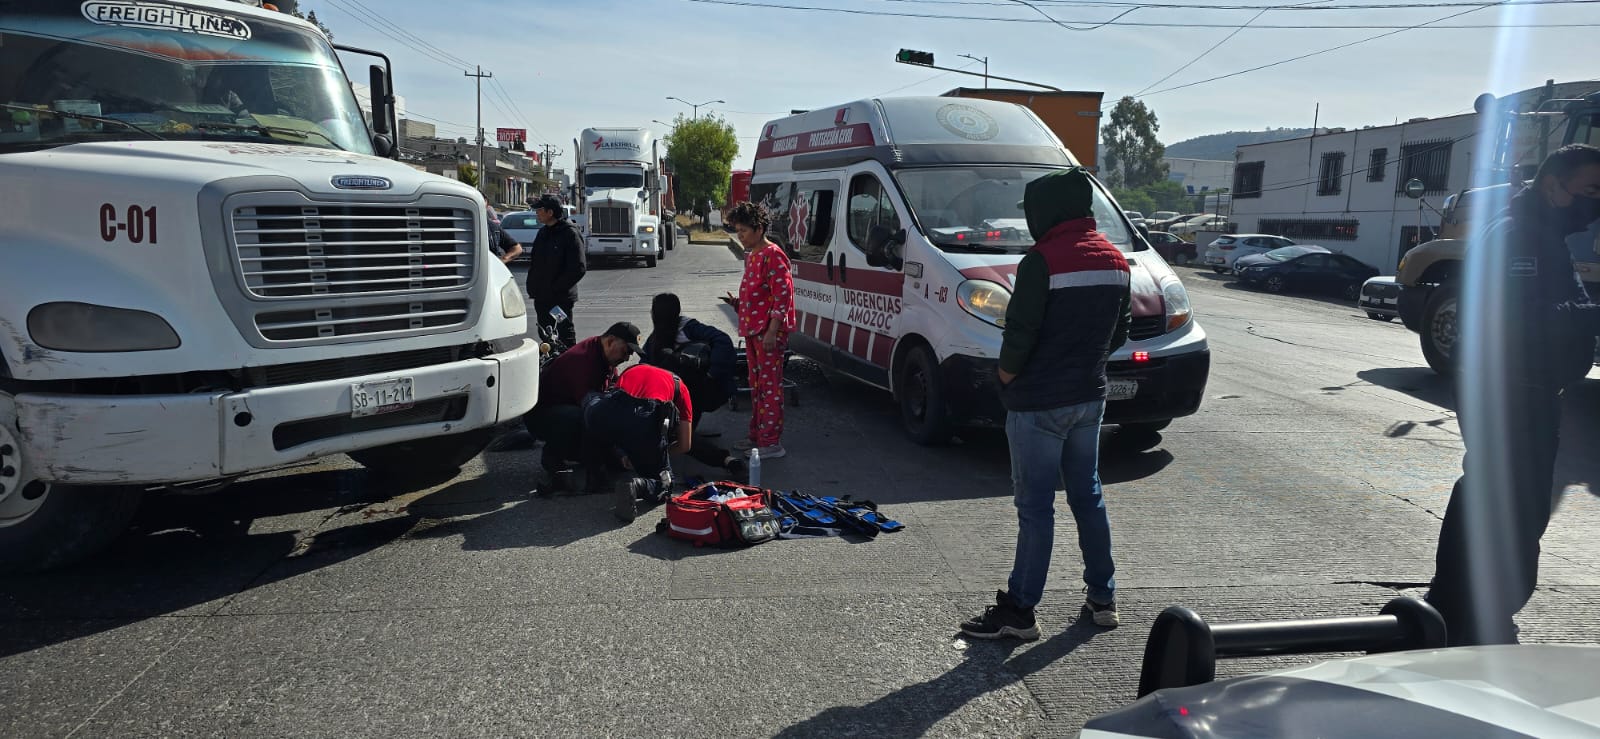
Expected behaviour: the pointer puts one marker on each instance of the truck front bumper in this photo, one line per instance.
(147, 439)
(620, 247)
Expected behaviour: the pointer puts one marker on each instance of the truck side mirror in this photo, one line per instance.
(382, 99)
(879, 241)
(382, 145)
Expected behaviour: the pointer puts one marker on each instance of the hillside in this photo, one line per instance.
(1220, 146)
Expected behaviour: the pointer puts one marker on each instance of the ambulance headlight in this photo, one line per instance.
(987, 301)
(83, 327)
(511, 303)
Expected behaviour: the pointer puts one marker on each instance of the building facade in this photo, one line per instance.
(1199, 175)
(1346, 189)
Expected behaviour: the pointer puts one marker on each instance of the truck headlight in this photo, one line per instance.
(512, 304)
(647, 229)
(987, 301)
(82, 327)
(1177, 301)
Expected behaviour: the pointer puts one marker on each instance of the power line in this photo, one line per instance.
(1293, 185)
(1075, 28)
(1315, 53)
(403, 42)
(407, 33)
(526, 119)
(1168, 24)
(1298, 6)
(914, 84)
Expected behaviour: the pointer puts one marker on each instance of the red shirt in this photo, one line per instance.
(766, 292)
(653, 383)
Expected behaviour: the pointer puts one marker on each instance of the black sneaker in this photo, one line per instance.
(1100, 614)
(625, 498)
(1004, 619)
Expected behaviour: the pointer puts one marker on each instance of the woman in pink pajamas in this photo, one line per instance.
(766, 316)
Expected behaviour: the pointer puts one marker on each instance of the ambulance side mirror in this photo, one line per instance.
(879, 241)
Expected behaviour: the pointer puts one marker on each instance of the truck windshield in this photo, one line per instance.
(974, 208)
(172, 70)
(613, 180)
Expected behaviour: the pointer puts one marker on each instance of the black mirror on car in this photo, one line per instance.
(382, 145)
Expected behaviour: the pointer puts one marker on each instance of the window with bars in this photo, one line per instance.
(1247, 179)
(1330, 181)
(1378, 162)
(1428, 161)
(1309, 230)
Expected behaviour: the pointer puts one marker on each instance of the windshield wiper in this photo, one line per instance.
(268, 130)
(82, 117)
(972, 248)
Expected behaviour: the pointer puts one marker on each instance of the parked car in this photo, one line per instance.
(1305, 268)
(1171, 248)
(522, 226)
(1206, 222)
(1380, 298)
(1166, 224)
(1135, 217)
(1163, 215)
(1222, 253)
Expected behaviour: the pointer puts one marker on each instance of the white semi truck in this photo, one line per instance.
(210, 267)
(619, 191)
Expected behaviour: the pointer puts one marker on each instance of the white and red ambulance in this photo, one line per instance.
(901, 218)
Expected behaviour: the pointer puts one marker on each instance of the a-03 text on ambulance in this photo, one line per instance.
(901, 218)
(208, 269)
(619, 192)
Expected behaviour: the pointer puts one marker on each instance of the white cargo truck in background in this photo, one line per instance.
(619, 190)
(211, 269)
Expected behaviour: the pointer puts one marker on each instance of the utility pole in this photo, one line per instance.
(549, 151)
(985, 61)
(696, 106)
(482, 170)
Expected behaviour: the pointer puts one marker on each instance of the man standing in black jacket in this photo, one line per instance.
(556, 266)
(1528, 331)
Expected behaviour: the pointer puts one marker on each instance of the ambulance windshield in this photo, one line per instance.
(973, 208)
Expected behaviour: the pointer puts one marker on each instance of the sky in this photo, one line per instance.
(560, 67)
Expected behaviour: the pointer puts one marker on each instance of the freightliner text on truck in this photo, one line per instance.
(211, 270)
(1430, 274)
(619, 193)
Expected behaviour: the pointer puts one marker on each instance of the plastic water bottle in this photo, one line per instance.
(755, 467)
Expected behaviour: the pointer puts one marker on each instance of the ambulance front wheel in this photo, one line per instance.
(924, 409)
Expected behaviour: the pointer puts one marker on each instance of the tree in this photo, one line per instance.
(702, 152)
(1130, 153)
(467, 173)
(311, 18)
(1137, 200)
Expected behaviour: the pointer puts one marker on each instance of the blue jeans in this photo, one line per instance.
(1050, 448)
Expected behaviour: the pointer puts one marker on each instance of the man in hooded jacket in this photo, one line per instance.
(1069, 310)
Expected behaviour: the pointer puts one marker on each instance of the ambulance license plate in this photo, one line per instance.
(383, 396)
(1121, 389)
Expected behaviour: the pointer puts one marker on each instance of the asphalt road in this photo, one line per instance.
(321, 601)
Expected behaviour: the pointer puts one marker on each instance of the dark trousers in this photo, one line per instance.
(560, 427)
(1488, 558)
(706, 399)
(632, 428)
(565, 331)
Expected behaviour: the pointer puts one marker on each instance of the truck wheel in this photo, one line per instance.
(45, 526)
(670, 233)
(425, 457)
(650, 261)
(1440, 325)
(923, 408)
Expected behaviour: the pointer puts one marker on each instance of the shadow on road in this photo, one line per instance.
(913, 710)
(1421, 383)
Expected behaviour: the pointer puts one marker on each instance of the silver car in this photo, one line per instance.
(1227, 249)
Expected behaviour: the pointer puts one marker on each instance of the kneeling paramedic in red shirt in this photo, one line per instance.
(641, 423)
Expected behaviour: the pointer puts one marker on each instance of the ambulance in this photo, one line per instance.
(901, 220)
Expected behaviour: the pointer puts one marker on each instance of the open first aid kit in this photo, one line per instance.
(731, 514)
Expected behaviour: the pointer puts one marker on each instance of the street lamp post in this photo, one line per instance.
(985, 61)
(696, 106)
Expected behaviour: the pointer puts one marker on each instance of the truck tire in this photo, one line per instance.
(924, 411)
(650, 261)
(669, 232)
(439, 455)
(1440, 322)
(45, 526)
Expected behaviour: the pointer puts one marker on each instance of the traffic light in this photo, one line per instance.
(909, 56)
